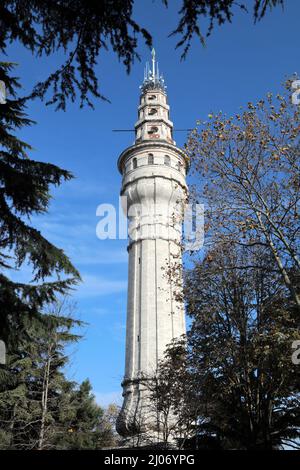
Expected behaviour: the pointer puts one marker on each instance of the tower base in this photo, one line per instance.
(140, 423)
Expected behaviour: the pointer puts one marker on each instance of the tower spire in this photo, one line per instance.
(152, 79)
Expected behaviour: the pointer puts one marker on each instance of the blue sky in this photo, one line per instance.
(240, 63)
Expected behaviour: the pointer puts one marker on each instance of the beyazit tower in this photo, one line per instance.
(153, 171)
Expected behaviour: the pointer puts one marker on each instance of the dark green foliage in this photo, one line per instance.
(24, 191)
(39, 407)
(30, 409)
(87, 427)
(82, 28)
(44, 410)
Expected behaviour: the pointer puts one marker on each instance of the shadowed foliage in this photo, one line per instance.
(80, 29)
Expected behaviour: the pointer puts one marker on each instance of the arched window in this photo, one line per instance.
(150, 159)
(134, 163)
(152, 97)
(167, 160)
(152, 111)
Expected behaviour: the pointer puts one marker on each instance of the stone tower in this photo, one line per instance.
(154, 184)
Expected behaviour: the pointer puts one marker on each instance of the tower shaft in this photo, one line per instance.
(154, 184)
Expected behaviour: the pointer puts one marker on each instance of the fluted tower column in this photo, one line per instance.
(154, 184)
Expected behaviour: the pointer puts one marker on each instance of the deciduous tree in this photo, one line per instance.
(240, 349)
(248, 171)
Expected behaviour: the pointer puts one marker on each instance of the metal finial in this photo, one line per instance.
(153, 62)
(152, 78)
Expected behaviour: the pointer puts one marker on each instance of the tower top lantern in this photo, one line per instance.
(152, 78)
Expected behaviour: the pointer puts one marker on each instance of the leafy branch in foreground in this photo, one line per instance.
(25, 191)
(217, 12)
(82, 29)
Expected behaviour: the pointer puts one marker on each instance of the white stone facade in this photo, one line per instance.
(154, 171)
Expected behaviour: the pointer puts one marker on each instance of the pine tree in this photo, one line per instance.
(88, 427)
(25, 191)
(29, 412)
(45, 410)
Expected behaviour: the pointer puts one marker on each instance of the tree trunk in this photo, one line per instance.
(44, 400)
